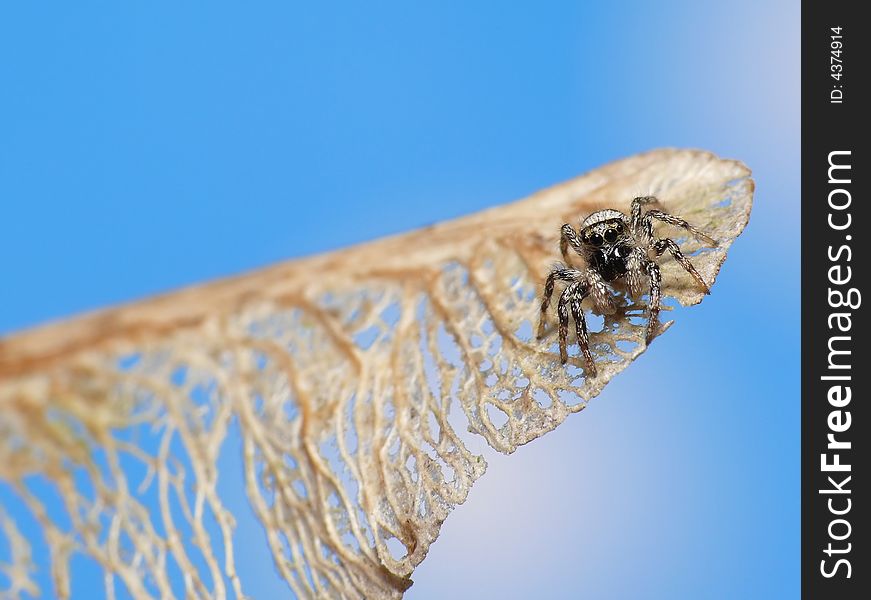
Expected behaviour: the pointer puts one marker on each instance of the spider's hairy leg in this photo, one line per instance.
(560, 274)
(635, 272)
(568, 236)
(655, 297)
(581, 328)
(635, 211)
(562, 311)
(660, 246)
(676, 222)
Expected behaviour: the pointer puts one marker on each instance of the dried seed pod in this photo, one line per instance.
(349, 379)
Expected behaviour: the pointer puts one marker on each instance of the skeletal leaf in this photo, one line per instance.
(350, 378)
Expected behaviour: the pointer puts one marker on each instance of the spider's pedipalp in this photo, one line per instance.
(601, 293)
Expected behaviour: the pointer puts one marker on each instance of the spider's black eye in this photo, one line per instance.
(596, 239)
(618, 226)
(610, 235)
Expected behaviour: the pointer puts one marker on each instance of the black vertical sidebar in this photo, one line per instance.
(836, 235)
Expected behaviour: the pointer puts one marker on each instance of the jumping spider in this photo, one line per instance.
(614, 247)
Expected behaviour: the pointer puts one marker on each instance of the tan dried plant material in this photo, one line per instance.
(350, 378)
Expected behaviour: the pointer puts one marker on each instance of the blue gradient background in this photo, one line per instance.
(145, 147)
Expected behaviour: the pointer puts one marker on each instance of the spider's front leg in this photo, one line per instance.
(581, 329)
(569, 237)
(660, 246)
(655, 276)
(562, 312)
(569, 275)
(650, 215)
(635, 211)
(636, 272)
(574, 293)
(572, 297)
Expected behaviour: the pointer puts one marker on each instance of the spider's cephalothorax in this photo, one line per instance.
(614, 247)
